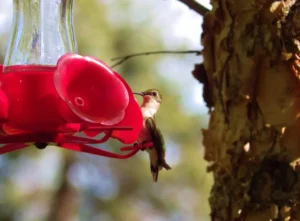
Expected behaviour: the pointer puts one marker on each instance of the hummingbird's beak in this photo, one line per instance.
(141, 94)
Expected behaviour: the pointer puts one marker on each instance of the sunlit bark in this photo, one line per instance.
(251, 58)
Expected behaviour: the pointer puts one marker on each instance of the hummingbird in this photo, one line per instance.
(151, 133)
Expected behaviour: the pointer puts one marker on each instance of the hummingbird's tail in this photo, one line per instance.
(154, 171)
(166, 166)
(156, 168)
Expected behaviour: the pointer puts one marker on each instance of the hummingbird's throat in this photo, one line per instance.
(150, 108)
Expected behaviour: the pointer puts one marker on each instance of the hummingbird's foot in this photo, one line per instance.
(143, 143)
(136, 144)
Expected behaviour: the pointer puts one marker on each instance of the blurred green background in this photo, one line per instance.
(56, 184)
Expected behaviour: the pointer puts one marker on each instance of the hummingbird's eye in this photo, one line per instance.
(154, 93)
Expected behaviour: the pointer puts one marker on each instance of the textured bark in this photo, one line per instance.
(251, 76)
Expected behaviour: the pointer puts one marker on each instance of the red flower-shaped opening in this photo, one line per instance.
(41, 104)
(91, 89)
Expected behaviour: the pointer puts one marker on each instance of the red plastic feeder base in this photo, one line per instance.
(50, 104)
(71, 142)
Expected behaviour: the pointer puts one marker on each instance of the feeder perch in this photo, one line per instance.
(49, 93)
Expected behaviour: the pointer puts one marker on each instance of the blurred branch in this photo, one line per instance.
(197, 7)
(64, 201)
(124, 58)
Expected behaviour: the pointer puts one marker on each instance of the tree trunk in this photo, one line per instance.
(252, 87)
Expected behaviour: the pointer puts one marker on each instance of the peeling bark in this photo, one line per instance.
(252, 60)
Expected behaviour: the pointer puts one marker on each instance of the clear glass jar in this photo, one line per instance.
(42, 32)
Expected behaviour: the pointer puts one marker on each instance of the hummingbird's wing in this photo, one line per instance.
(156, 135)
(158, 142)
(157, 156)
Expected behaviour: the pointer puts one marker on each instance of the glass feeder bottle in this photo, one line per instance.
(42, 32)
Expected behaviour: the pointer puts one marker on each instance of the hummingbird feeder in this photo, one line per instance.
(49, 93)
